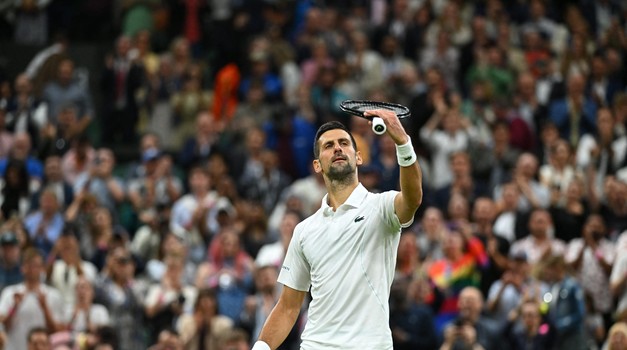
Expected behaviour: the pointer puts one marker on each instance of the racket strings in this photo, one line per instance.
(362, 106)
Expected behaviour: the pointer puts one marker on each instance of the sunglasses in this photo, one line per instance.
(123, 260)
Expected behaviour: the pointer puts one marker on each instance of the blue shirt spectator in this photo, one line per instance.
(10, 270)
(45, 225)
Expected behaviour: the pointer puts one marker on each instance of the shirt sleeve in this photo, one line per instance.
(152, 297)
(572, 251)
(494, 290)
(295, 272)
(6, 301)
(100, 315)
(389, 212)
(56, 305)
(617, 272)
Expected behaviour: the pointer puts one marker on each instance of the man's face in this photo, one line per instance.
(470, 304)
(338, 158)
(48, 203)
(32, 269)
(21, 146)
(66, 70)
(266, 278)
(460, 165)
(527, 165)
(483, 211)
(199, 181)
(11, 253)
(530, 316)
(39, 341)
(84, 290)
(432, 220)
(539, 223)
(53, 169)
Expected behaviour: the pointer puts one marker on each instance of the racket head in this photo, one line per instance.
(358, 107)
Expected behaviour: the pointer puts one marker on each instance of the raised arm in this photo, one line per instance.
(410, 197)
(281, 319)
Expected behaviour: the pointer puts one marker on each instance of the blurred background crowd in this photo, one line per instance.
(156, 156)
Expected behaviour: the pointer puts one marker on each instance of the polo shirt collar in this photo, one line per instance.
(357, 197)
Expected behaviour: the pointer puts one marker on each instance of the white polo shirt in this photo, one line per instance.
(348, 258)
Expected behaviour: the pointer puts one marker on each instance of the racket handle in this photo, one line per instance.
(378, 126)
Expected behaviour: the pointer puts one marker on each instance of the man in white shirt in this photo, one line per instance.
(29, 304)
(539, 243)
(345, 253)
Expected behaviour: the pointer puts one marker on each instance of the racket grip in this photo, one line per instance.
(378, 126)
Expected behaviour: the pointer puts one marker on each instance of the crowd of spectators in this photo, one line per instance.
(519, 117)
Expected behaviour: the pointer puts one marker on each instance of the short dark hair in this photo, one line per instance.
(332, 125)
(35, 330)
(210, 293)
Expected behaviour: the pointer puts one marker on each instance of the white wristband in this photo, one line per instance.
(405, 154)
(261, 345)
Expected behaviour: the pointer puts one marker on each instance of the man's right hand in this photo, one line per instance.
(17, 298)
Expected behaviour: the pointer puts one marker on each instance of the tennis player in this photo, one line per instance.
(345, 253)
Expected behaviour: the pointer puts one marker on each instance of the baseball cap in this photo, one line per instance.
(518, 256)
(8, 238)
(151, 154)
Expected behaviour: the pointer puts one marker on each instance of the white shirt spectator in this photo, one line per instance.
(98, 316)
(535, 250)
(591, 274)
(443, 145)
(270, 255)
(64, 278)
(618, 273)
(28, 314)
(505, 226)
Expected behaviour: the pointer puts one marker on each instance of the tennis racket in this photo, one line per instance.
(357, 108)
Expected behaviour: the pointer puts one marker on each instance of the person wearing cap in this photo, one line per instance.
(516, 284)
(566, 305)
(10, 272)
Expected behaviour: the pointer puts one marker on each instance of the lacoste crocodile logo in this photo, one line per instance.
(359, 218)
